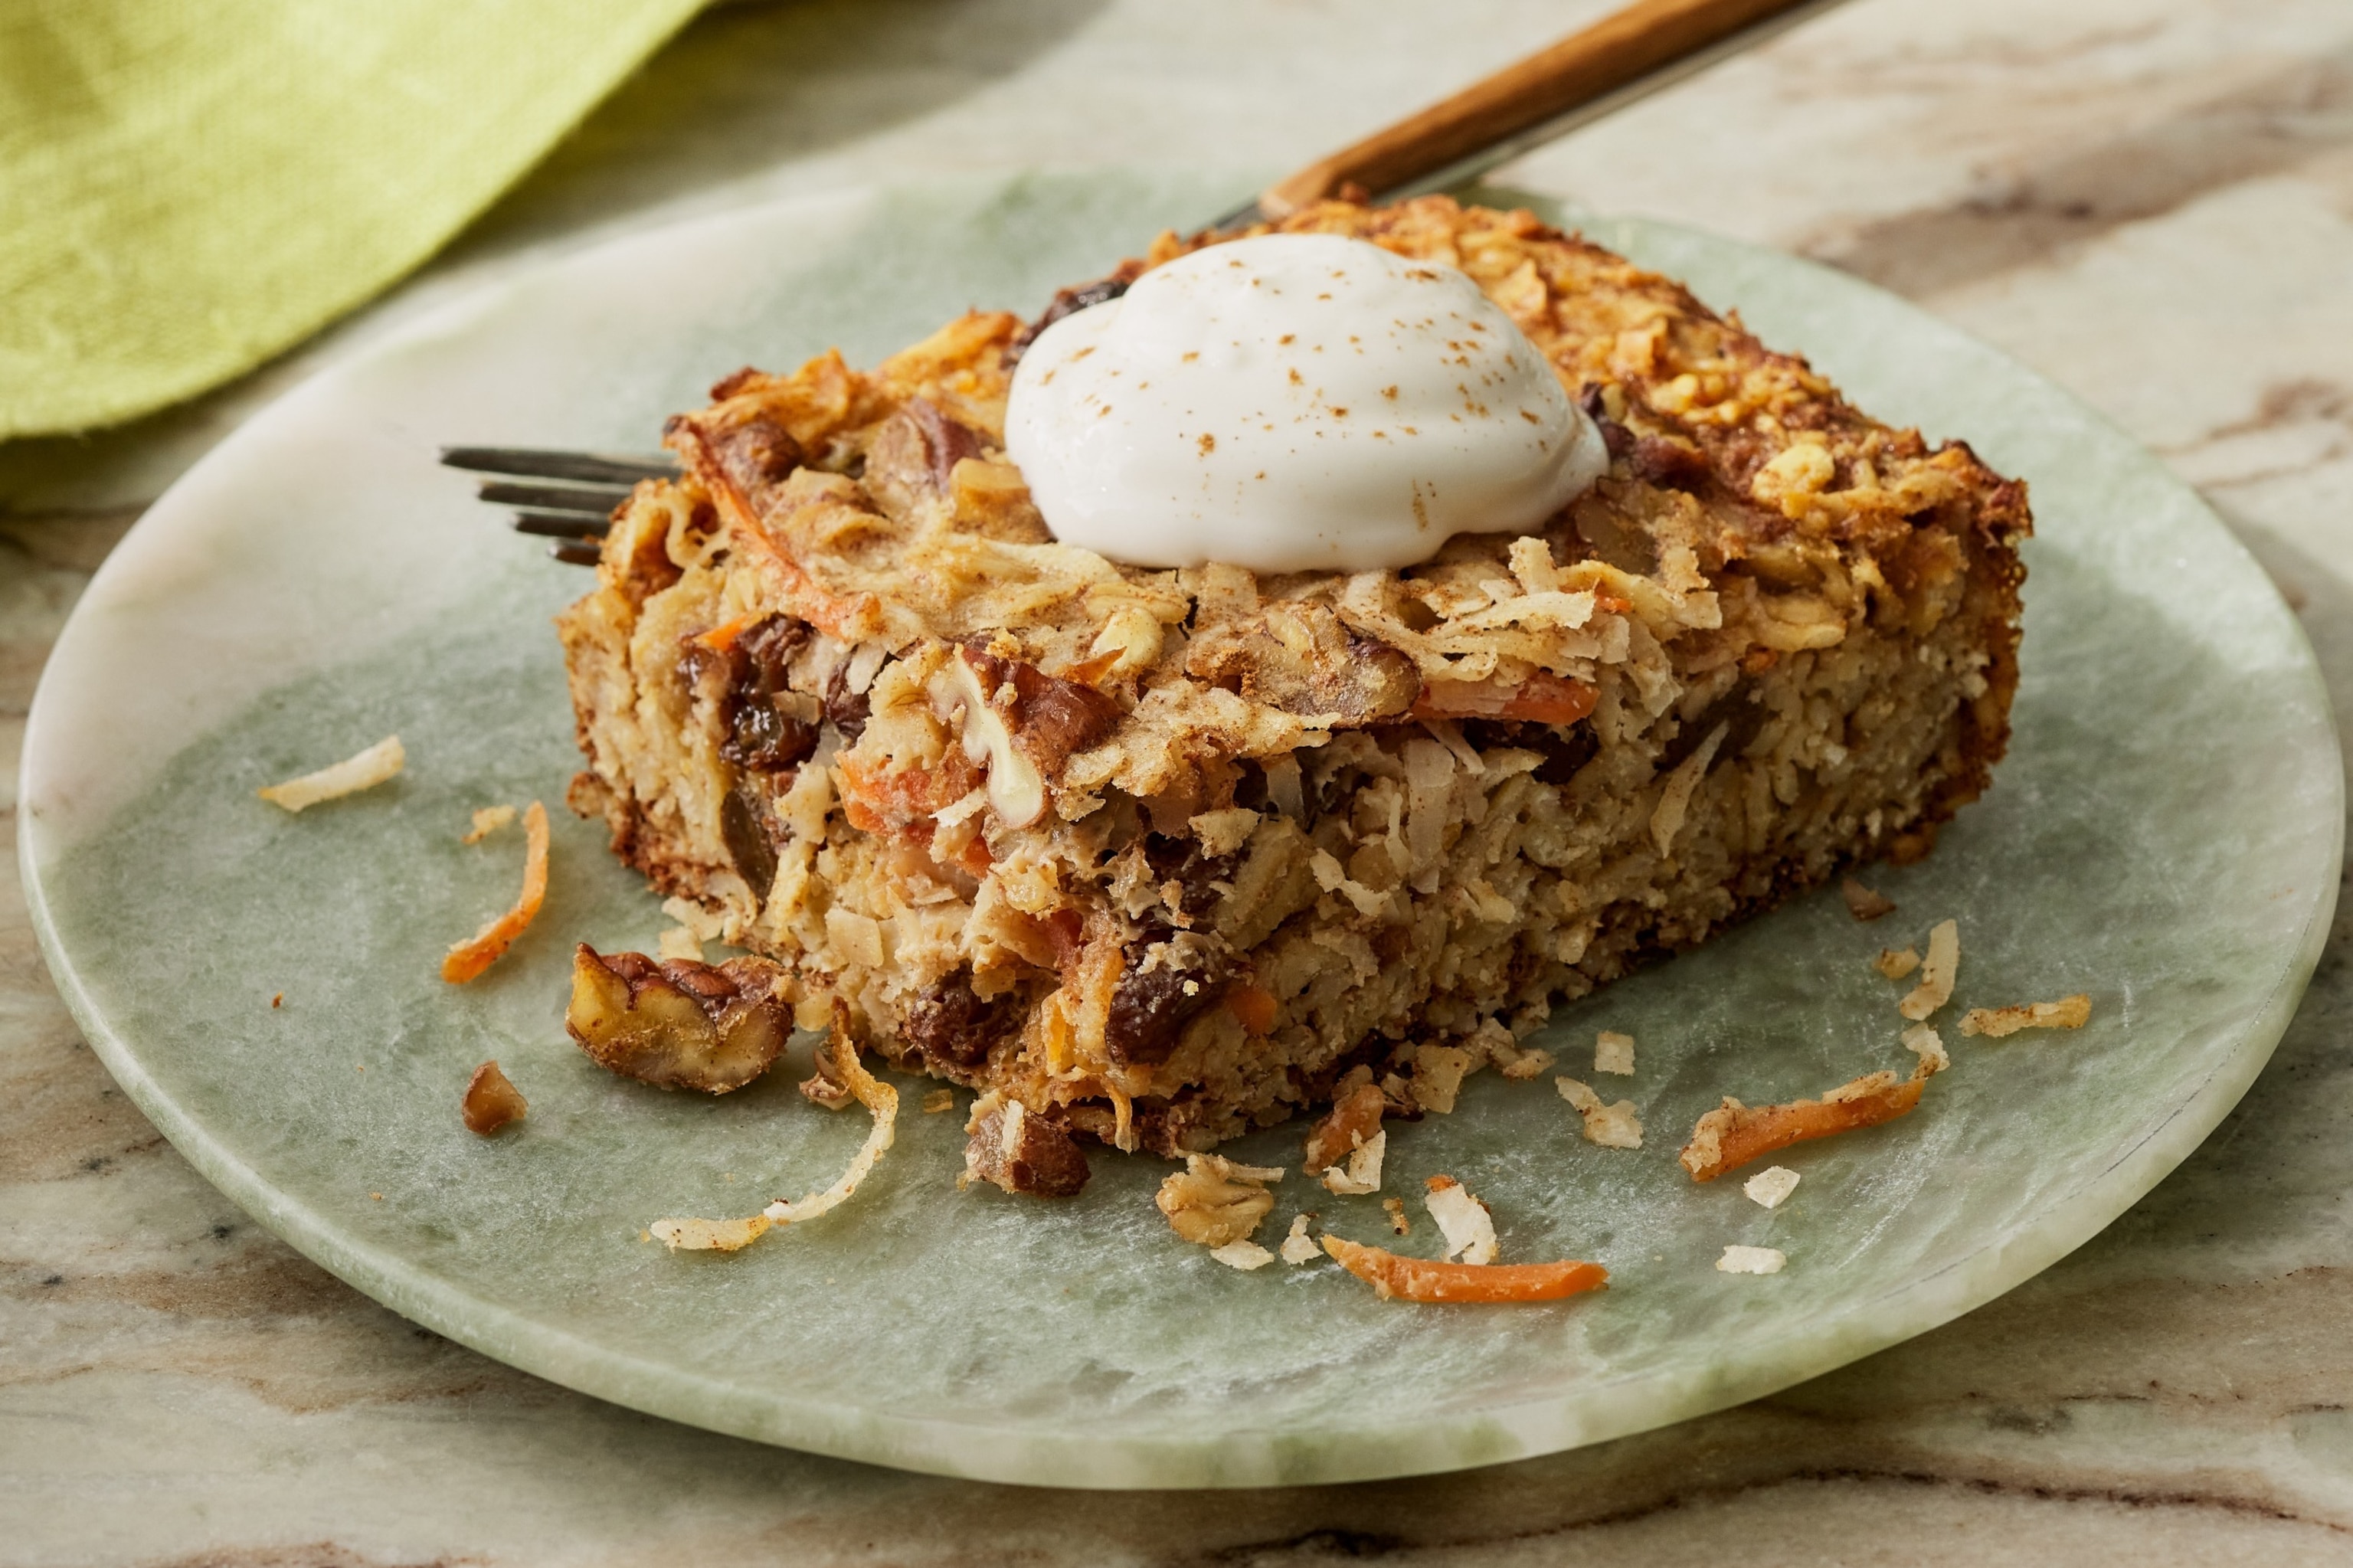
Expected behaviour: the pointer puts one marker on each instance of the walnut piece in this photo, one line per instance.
(677, 1023)
(1020, 1152)
(491, 1101)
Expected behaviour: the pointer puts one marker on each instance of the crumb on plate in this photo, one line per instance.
(1771, 1187)
(1612, 1126)
(1937, 972)
(491, 1101)
(1751, 1260)
(371, 767)
(2067, 1013)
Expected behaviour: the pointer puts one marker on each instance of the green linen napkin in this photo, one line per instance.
(188, 186)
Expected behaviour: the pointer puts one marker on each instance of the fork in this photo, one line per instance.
(569, 497)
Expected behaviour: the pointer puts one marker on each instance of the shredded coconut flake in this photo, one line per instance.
(1362, 1174)
(678, 942)
(1243, 1255)
(2067, 1013)
(1610, 1126)
(487, 820)
(1771, 1186)
(1469, 1228)
(1613, 1053)
(880, 1101)
(1675, 797)
(1298, 1247)
(1922, 1041)
(1751, 1260)
(1896, 965)
(369, 769)
(1937, 972)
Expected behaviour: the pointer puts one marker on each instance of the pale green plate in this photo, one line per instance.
(2165, 835)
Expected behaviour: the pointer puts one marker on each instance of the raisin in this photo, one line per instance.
(748, 845)
(952, 1025)
(1165, 986)
(1670, 465)
(1070, 302)
(759, 737)
(846, 710)
(1180, 861)
(758, 452)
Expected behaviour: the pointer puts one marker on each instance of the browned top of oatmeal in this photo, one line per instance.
(1748, 512)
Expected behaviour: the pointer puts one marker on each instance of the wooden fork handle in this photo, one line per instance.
(1621, 48)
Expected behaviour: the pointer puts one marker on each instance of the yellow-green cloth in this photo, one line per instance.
(188, 186)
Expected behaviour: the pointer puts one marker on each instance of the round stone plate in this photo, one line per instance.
(2165, 835)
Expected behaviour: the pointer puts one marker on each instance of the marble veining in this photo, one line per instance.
(179, 1388)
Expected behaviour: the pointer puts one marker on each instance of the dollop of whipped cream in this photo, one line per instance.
(1293, 402)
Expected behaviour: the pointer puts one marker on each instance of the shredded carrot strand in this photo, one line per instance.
(721, 638)
(1420, 1280)
(480, 950)
(1743, 1133)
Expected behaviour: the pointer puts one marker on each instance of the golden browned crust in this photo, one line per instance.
(1162, 854)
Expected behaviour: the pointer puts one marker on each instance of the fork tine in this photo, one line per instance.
(559, 525)
(575, 552)
(588, 499)
(542, 462)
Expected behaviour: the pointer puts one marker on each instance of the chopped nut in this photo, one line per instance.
(1298, 1247)
(678, 1023)
(1613, 1053)
(492, 1102)
(1750, 1260)
(1018, 1152)
(1862, 903)
(1397, 1222)
(487, 820)
(939, 1100)
(1214, 1202)
(378, 763)
(2067, 1013)
(1937, 973)
(1469, 1228)
(1771, 1186)
(1610, 1126)
(1896, 965)
(1243, 1255)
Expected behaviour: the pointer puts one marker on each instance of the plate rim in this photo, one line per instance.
(1247, 1457)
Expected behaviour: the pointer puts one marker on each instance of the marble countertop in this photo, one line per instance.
(2151, 201)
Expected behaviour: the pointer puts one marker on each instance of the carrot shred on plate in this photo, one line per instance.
(480, 950)
(1421, 1279)
(1732, 1134)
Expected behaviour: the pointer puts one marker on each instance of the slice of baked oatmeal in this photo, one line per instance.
(1165, 855)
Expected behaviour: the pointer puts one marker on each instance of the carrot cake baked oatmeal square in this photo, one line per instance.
(1153, 849)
